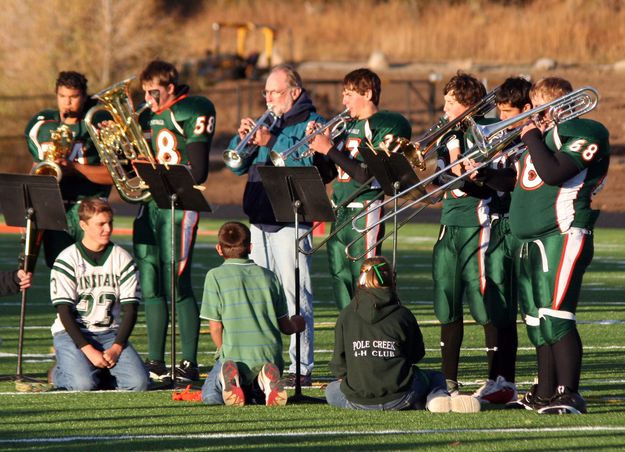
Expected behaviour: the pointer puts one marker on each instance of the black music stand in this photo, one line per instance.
(35, 203)
(297, 194)
(172, 187)
(394, 174)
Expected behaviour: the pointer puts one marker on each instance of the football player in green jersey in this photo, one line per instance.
(512, 98)
(370, 127)
(181, 128)
(563, 167)
(82, 174)
(458, 255)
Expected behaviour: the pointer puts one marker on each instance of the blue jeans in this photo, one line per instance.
(211, 389)
(414, 399)
(73, 370)
(276, 251)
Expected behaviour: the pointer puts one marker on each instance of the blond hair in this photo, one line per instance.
(551, 88)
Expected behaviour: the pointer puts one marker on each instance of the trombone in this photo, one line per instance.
(364, 187)
(429, 197)
(417, 152)
(490, 139)
(569, 106)
(337, 126)
(233, 158)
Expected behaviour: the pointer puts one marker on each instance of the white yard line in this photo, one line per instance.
(312, 433)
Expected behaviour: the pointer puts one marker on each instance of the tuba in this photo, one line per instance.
(62, 139)
(122, 141)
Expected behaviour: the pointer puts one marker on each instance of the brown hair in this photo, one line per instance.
(72, 79)
(514, 91)
(162, 71)
(467, 90)
(363, 79)
(91, 207)
(234, 240)
(376, 272)
(551, 88)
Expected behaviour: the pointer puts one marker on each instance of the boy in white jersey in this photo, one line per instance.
(94, 288)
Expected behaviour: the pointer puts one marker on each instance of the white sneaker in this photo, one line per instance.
(441, 402)
(499, 391)
(438, 401)
(272, 385)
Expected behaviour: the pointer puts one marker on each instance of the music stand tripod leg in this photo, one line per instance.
(298, 396)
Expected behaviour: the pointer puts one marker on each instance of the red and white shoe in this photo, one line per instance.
(231, 390)
(499, 391)
(272, 385)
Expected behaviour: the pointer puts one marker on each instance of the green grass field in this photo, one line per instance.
(150, 421)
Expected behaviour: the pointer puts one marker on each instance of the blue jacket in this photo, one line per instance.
(287, 131)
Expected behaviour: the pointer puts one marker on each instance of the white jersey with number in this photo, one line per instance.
(95, 291)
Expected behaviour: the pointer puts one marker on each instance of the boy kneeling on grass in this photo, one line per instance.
(377, 344)
(246, 309)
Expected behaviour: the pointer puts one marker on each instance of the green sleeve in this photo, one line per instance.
(211, 299)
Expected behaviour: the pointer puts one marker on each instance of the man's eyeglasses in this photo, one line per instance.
(266, 93)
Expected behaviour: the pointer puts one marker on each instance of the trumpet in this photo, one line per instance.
(233, 158)
(62, 139)
(337, 126)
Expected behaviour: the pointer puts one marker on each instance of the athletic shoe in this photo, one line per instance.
(453, 388)
(158, 370)
(187, 371)
(304, 380)
(529, 401)
(230, 385)
(565, 402)
(441, 402)
(499, 391)
(271, 384)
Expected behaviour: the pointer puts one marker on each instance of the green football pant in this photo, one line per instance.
(345, 272)
(500, 295)
(457, 270)
(551, 270)
(152, 249)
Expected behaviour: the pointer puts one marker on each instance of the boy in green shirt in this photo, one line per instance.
(246, 309)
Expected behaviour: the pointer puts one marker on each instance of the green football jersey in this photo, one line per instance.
(538, 208)
(190, 119)
(381, 127)
(460, 209)
(82, 151)
(500, 201)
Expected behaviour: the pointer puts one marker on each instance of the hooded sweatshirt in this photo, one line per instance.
(288, 130)
(377, 343)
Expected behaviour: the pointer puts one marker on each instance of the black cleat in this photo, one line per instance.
(158, 370)
(187, 371)
(565, 402)
(529, 401)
